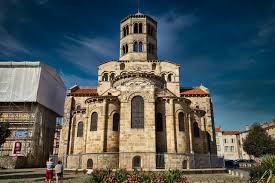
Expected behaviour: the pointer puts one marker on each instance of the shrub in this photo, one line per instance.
(265, 171)
(123, 176)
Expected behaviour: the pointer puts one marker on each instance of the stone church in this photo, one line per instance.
(138, 116)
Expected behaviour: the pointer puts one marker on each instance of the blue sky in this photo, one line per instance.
(227, 45)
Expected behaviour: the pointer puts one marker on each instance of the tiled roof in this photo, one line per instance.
(218, 130)
(231, 132)
(193, 91)
(79, 91)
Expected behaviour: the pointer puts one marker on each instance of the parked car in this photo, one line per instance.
(231, 164)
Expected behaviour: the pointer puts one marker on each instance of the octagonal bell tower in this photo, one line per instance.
(138, 38)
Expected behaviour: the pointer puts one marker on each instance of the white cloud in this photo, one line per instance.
(87, 52)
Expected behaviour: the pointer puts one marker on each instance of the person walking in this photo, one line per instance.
(59, 172)
(49, 170)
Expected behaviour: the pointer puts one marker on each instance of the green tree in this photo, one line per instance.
(258, 142)
(4, 132)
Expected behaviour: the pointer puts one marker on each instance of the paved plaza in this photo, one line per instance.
(37, 175)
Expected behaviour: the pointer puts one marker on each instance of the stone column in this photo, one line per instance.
(190, 134)
(105, 124)
(170, 128)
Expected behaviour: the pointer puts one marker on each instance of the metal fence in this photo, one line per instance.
(144, 160)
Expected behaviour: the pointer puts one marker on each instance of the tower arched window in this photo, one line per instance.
(154, 65)
(159, 122)
(140, 28)
(112, 76)
(123, 50)
(80, 129)
(136, 28)
(124, 31)
(137, 112)
(181, 121)
(105, 77)
(116, 122)
(135, 46)
(140, 47)
(94, 120)
(196, 129)
(136, 162)
(127, 30)
(126, 48)
(122, 66)
(169, 78)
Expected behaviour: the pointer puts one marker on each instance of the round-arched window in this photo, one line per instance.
(90, 164)
(116, 122)
(136, 162)
(181, 121)
(137, 112)
(154, 65)
(94, 119)
(80, 129)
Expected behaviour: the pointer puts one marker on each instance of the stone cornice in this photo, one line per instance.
(101, 98)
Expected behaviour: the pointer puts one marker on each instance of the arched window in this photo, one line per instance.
(105, 77)
(154, 65)
(140, 28)
(163, 76)
(159, 122)
(127, 30)
(181, 121)
(112, 76)
(169, 78)
(137, 108)
(136, 162)
(122, 66)
(196, 129)
(135, 47)
(116, 122)
(124, 32)
(123, 50)
(80, 129)
(140, 47)
(94, 119)
(90, 164)
(126, 48)
(136, 28)
(184, 164)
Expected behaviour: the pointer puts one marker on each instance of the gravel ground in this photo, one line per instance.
(38, 175)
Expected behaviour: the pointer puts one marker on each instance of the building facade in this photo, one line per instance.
(31, 98)
(138, 116)
(228, 144)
